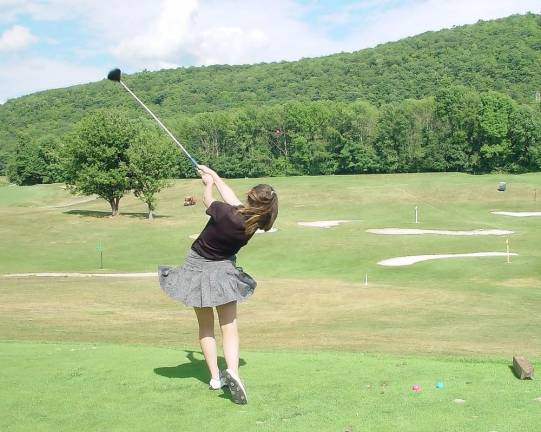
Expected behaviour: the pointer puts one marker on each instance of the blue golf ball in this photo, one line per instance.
(439, 385)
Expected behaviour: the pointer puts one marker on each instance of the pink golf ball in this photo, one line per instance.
(416, 387)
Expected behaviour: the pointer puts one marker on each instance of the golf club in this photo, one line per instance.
(115, 75)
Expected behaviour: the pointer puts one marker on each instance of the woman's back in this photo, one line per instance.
(224, 234)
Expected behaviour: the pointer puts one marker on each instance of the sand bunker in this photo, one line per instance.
(272, 230)
(407, 231)
(516, 214)
(324, 224)
(409, 260)
(266, 232)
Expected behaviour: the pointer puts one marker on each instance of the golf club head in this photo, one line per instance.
(114, 75)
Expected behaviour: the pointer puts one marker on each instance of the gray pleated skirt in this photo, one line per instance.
(200, 282)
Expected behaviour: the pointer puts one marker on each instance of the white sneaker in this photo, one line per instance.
(217, 384)
(238, 392)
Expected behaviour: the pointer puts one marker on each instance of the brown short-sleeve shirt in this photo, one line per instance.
(224, 234)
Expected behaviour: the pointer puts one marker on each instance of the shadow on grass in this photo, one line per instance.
(105, 214)
(196, 368)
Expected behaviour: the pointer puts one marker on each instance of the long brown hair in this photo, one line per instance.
(262, 208)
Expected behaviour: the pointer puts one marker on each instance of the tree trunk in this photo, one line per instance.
(150, 211)
(114, 206)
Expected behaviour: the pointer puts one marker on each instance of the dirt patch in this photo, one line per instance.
(521, 283)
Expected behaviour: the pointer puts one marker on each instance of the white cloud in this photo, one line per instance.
(254, 32)
(38, 73)
(16, 38)
(231, 32)
(108, 20)
(162, 39)
(9, 9)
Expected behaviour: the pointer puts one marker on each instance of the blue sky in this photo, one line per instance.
(57, 43)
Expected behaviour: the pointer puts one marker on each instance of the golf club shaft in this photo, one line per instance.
(192, 160)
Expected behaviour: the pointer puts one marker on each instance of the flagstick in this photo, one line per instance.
(508, 256)
(366, 279)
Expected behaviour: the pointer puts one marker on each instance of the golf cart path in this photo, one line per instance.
(82, 275)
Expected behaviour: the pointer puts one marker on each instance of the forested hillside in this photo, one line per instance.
(490, 69)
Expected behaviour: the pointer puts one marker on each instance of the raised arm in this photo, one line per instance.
(208, 199)
(225, 191)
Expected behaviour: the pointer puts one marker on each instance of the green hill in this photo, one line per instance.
(502, 55)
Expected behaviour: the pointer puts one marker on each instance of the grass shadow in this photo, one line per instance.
(196, 368)
(105, 214)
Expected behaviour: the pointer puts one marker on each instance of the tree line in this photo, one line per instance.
(458, 129)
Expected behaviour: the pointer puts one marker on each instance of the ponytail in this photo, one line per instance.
(262, 209)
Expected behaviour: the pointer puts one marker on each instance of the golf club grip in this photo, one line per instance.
(192, 160)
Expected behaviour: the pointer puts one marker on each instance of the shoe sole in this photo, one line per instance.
(237, 390)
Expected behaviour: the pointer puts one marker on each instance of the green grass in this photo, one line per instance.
(125, 388)
(283, 314)
(42, 237)
(312, 322)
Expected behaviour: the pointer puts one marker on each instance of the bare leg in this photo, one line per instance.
(205, 318)
(227, 314)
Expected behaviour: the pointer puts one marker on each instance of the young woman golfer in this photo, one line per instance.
(209, 277)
